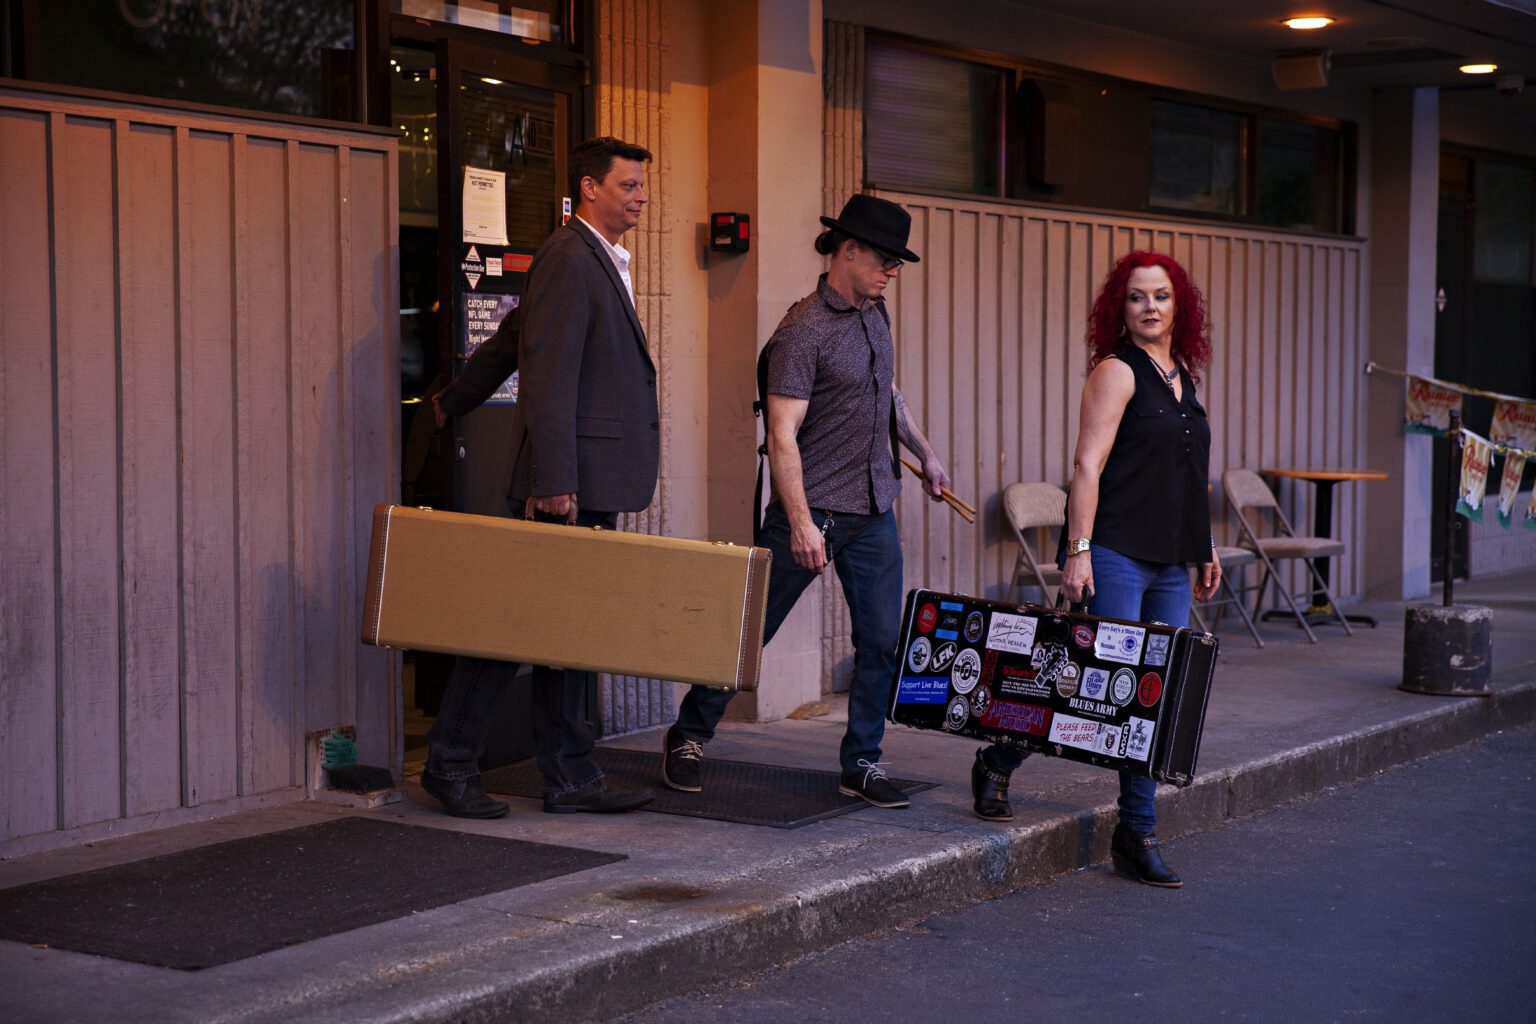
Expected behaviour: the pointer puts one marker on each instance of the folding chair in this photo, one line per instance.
(1231, 559)
(1033, 506)
(1246, 490)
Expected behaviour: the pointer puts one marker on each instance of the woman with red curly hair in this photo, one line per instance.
(1137, 514)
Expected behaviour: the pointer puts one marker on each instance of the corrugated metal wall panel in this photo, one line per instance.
(198, 421)
(993, 318)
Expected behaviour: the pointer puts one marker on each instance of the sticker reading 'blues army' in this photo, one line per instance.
(923, 690)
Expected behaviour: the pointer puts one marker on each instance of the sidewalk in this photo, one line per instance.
(699, 900)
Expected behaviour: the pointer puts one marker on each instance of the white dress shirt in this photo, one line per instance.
(618, 254)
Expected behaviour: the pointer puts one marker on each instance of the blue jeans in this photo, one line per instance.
(562, 739)
(1125, 588)
(867, 554)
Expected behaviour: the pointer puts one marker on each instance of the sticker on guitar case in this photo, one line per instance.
(1157, 648)
(1122, 686)
(958, 714)
(1029, 719)
(922, 690)
(1095, 683)
(918, 654)
(927, 617)
(1150, 690)
(974, 623)
(967, 671)
(1138, 738)
(1118, 642)
(1014, 633)
(942, 656)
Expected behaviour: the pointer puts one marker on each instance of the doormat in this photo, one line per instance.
(225, 902)
(739, 791)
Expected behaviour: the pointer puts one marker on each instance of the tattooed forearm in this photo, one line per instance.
(907, 431)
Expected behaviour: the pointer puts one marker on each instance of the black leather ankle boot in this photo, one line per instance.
(990, 788)
(1135, 854)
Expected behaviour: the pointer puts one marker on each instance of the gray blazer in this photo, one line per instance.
(586, 421)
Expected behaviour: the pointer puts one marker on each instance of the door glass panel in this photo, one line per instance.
(511, 128)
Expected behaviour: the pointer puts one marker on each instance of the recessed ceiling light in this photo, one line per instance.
(1479, 69)
(1308, 22)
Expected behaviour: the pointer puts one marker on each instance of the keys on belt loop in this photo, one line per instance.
(826, 525)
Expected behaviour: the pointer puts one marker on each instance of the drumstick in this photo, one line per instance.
(954, 501)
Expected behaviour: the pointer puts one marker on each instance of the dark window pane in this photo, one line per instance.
(931, 122)
(1196, 155)
(1502, 230)
(1299, 178)
(284, 56)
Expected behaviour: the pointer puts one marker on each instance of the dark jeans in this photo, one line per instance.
(1126, 588)
(561, 737)
(867, 554)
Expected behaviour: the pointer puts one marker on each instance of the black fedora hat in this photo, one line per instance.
(877, 222)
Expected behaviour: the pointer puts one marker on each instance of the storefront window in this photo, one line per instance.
(284, 56)
(932, 122)
(1298, 176)
(1503, 192)
(1196, 155)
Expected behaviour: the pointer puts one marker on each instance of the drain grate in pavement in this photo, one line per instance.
(739, 791)
(225, 902)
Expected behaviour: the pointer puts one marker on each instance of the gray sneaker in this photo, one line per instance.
(870, 783)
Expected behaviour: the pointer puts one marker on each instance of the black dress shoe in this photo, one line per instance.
(990, 788)
(596, 799)
(1135, 854)
(465, 798)
(681, 762)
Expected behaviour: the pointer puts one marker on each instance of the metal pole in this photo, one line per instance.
(1452, 478)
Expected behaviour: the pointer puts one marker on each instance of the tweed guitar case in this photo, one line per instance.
(542, 594)
(1107, 692)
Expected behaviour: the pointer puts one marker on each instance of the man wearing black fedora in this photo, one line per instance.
(834, 415)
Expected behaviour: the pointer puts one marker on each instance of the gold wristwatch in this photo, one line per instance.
(1077, 545)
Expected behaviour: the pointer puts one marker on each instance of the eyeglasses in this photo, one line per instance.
(891, 263)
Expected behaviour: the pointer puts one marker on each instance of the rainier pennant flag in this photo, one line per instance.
(1514, 424)
(1428, 404)
(1509, 485)
(1476, 453)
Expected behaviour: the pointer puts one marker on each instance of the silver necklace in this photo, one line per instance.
(1168, 375)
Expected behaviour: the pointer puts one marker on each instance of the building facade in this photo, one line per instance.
(224, 295)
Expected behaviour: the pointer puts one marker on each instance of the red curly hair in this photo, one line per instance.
(1106, 323)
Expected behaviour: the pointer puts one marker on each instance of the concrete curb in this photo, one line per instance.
(751, 937)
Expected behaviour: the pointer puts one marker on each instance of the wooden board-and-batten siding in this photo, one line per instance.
(199, 367)
(990, 354)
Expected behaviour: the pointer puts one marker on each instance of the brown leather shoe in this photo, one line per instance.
(1135, 854)
(990, 788)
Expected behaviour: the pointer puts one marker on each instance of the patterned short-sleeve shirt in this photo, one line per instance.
(841, 359)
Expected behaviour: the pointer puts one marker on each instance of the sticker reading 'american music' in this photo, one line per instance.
(1014, 633)
(1117, 642)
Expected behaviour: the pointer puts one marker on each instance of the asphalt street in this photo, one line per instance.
(1407, 897)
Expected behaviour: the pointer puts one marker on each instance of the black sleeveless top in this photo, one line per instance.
(1153, 498)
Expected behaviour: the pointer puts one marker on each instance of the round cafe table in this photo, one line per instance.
(1325, 480)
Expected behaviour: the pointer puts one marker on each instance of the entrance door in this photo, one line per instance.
(484, 141)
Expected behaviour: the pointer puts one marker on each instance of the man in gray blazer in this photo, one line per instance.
(585, 441)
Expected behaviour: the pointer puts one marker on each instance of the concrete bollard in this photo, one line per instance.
(1448, 650)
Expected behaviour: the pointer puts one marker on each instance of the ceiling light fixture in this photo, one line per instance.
(1479, 69)
(1307, 23)
(491, 81)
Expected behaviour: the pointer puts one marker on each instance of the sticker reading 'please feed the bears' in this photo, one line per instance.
(1116, 641)
(1014, 633)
